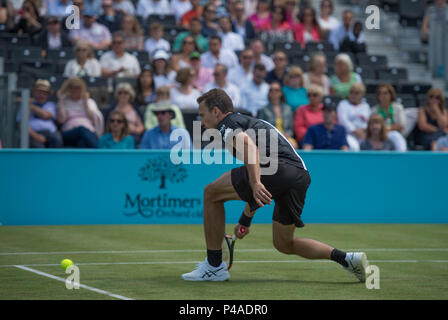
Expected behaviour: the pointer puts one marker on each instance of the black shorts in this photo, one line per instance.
(287, 186)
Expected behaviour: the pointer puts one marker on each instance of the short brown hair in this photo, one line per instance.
(217, 98)
(389, 88)
(377, 118)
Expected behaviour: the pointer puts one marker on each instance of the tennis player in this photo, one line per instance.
(287, 186)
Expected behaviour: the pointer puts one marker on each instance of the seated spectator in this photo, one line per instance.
(194, 31)
(315, 74)
(393, 115)
(124, 7)
(243, 72)
(343, 31)
(209, 25)
(221, 82)
(309, 114)
(326, 21)
(82, 122)
(159, 137)
(308, 29)
(278, 113)
(195, 12)
(179, 8)
(277, 28)
(279, 72)
(162, 73)
(156, 41)
(254, 94)
(146, 92)
(117, 133)
(147, 7)
(217, 54)
(125, 96)
(259, 56)
(84, 64)
(185, 95)
(230, 40)
(439, 7)
(293, 88)
(292, 11)
(442, 143)
(358, 43)
(377, 135)
(432, 120)
(326, 135)
(94, 5)
(5, 15)
(58, 8)
(241, 24)
(353, 114)
(132, 33)
(42, 128)
(202, 75)
(163, 99)
(344, 77)
(51, 38)
(182, 59)
(117, 62)
(110, 18)
(262, 14)
(29, 21)
(97, 35)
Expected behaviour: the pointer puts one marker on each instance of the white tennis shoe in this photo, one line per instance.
(205, 272)
(357, 264)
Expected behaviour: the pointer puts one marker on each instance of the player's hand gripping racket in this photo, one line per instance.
(228, 247)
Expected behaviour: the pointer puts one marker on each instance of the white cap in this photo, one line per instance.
(161, 54)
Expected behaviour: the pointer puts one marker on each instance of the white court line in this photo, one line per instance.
(202, 250)
(107, 293)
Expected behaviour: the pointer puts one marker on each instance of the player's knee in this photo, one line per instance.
(210, 192)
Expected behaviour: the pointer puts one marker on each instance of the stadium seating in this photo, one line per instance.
(411, 12)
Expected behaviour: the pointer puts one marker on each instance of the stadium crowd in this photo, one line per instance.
(284, 61)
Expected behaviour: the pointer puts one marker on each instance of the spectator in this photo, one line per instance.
(326, 21)
(117, 62)
(110, 17)
(179, 8)
(163, 99)
(203, 75)
(262, 14)
(182, 59)
(52, 38)
(6, 15)
(117, 133)
(326, 135)
(392, 113)
(357, 44)
(278, 113)
(209, 25)
(230, 40)
(125, 96)
(344, 30)
(344, 77)
(147, 7)
(292, 11)
(293, 89)
(442, 143)
(195, 12)
(439, 7)
(194, 31)
(124, 7)
(58, 8)
(97, 35)
(132, 33)
(163, 74)
(353, 114)
(218, 54)
(377, 135)
(279, 72)
(185, 95)
(277, 28)
(254, 94)
(29, 21)
(84, 64)
(42, 128)
(308, 29)
(146, 92)
(82, 122)
(243, 72)
(221, 82)
(156, 41)
(259, 56)
(160, 136)
(94, 5)
(315, 74)
(309, 114)
(241, 24)
(432, 122)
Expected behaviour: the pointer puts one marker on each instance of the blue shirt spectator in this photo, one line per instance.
(93, 5)
(107, 141)
(158, 139)
(345, 30)
(58, 8)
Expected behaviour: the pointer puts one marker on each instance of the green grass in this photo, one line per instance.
(417, 273)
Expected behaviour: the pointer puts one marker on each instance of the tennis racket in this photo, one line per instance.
(228, 247)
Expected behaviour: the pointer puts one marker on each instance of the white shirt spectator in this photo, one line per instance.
(162, 80)
(353, 117)
(110, 61)
(92, 68)
(147, 7)
(267, 61)
(152, 45)
(232, 41)
(178, 8)
(185, 101)
(239, 77)
(126, 6)
(232, 90)
(328, 25)
(226, 57)
(254, 97)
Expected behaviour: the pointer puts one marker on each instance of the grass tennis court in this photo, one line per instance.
(146, 262)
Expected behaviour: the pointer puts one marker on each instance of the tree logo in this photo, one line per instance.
(162, 170)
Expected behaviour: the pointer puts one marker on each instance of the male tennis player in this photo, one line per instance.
(287, 186)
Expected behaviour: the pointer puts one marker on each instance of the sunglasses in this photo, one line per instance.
(123, 92)
(188, 42)
(434, 96)
(160, 112)
(313, 95)
(116, 121)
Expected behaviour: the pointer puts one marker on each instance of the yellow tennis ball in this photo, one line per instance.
(66, 263)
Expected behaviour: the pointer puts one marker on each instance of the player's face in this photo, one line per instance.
(209, 119)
